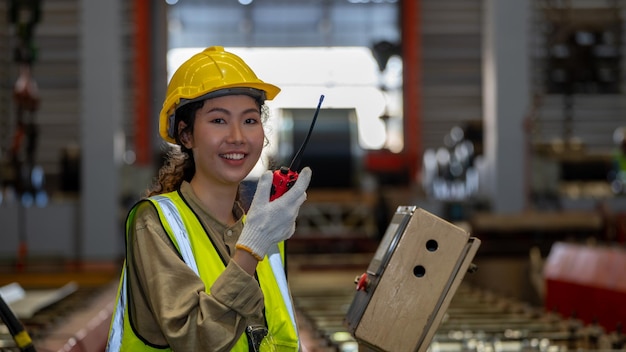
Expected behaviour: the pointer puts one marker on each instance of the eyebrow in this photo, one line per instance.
(218, 109)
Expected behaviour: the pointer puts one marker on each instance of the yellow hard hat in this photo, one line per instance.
(210, 73)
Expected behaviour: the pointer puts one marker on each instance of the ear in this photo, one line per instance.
(185, 137)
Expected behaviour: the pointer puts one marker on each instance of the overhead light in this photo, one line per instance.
(245, 2)
(374, 1)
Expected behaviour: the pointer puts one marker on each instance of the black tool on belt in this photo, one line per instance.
(255, 334)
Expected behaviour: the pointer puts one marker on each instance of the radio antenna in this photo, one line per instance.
(296, 159)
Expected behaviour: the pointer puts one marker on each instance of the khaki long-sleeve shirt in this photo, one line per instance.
(169, 304)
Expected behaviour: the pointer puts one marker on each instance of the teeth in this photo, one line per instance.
(233, 156)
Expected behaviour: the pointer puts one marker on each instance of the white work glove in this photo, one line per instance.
(268, 223)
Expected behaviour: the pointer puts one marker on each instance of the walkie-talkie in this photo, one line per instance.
(285, 177)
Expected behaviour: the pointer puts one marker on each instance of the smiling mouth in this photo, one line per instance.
(233, 156)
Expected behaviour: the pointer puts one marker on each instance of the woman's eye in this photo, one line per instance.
(252, 120)
(218, 120)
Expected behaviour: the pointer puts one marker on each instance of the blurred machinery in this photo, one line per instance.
(391, 165)
(449, 172)
(24, 16)
(582, 60)
(617, 174)
(23, 181)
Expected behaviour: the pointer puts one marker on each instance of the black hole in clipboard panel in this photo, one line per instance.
(420, 270)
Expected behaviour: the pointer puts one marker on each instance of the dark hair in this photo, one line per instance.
(179, 164)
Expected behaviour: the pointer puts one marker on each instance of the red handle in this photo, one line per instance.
(282, 182)
(362, 282)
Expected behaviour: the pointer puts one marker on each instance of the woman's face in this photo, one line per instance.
(227, 139)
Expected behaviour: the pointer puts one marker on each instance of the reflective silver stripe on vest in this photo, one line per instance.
(178, 227)
(180, 233)
(276, 263)
(117, 325)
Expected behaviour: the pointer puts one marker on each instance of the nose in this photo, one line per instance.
(235, 135)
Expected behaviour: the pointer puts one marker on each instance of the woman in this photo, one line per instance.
(197, 278)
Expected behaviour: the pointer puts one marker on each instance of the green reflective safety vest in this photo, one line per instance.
(190, 239)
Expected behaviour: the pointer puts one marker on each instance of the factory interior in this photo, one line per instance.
(501, 122)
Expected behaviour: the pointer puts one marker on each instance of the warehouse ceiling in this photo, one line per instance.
(282, 23)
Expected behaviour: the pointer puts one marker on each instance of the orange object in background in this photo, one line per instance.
(587, 282)
(390, 168)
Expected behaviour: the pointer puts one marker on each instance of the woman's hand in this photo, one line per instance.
(268, 223)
